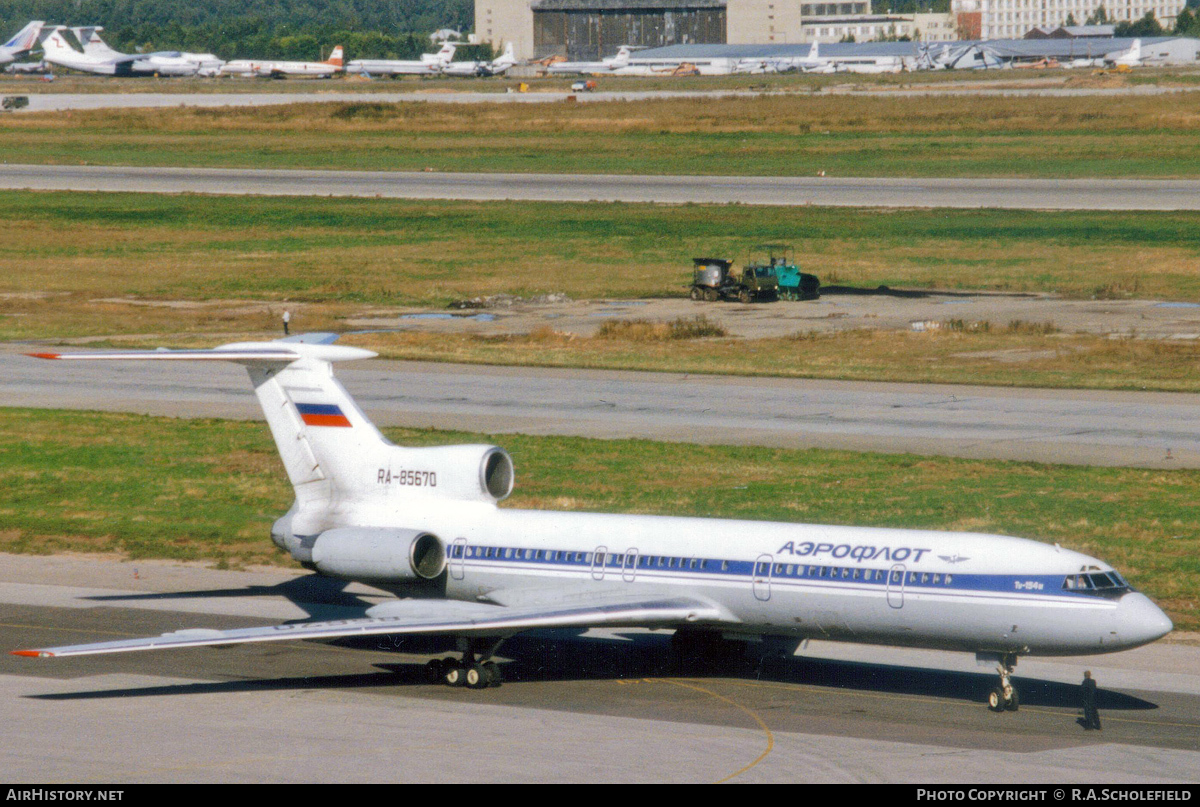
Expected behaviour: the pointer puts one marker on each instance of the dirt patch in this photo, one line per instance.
(838, 309)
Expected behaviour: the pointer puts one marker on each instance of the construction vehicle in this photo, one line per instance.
(712, 280)
(780, 260)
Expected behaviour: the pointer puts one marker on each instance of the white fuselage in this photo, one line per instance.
(179, 64)
(392, 67)
(276, 68)
(952, 591)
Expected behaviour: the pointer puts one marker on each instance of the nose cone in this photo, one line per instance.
(1139, 621)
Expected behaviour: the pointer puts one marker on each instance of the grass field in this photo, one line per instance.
(421, 253)
(206, 489)
(784, 135)
(186, 270)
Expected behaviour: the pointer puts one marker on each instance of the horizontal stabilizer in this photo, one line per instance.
(304, 346)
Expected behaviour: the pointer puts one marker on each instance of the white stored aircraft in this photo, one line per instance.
(1130, 58)
(813, 62)
(495, 67)
(285, 69)
(600, 68)
(159, 63)
(57, 51)
(404, 519)
(22, 43)
(430, 64)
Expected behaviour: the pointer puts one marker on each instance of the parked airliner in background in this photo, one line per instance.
(158, 63)
(58, 51)
(495, 67)
(426, 519)
(1130, 58)
(430, 64)
(812, 63)
(603, 67)
(269, 68)
(22, 43)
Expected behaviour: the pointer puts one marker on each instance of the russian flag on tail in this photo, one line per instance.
(322, 415)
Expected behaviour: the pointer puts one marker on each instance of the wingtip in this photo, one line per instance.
(32, 653)
(45, 355)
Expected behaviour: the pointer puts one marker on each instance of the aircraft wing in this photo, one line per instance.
(432, 617)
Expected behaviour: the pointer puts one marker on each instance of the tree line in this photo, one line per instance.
(260, 29)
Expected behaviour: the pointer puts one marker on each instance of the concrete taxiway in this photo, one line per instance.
(1027, 194)
(1084, 427)
(598, 706)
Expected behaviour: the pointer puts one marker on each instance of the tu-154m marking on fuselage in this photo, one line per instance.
(399, 517)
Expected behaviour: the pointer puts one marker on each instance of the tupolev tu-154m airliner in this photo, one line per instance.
(396, 517)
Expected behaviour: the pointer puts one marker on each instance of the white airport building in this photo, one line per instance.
(1013, 19)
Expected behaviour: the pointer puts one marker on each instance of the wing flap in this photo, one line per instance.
(424, 617)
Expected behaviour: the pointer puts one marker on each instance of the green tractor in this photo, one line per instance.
(713, 279)
(780, 260)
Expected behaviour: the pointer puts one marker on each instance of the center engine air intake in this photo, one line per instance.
(467, 473)
(379, 554)
(497, 473)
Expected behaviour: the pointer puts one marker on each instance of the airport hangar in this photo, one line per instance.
(583, 30)
(586, 30)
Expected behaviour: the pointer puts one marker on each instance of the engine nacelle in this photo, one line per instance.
(379, 554)
(464, 473)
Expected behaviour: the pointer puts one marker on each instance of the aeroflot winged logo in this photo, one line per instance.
(322, 415)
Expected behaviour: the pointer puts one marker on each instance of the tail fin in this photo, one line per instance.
(335, 57)
(334, 456)
(25, 39)
(505, 60)
(446, 54)
(55, 42)
(321, 434)
(89, 38)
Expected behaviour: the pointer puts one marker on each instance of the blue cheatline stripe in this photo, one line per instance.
(914, 581)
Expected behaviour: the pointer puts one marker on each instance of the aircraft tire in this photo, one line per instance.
(493, 673)
(1013, 703)
(476, 677)
(434, 670)
(996, 700)
(454, 674)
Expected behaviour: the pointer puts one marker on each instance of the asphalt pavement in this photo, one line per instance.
(1082, 427)
(1026, 194)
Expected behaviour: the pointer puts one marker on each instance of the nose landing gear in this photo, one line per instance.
(1003, 698)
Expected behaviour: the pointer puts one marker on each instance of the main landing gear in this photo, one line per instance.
(476, 670)
(1003, 698)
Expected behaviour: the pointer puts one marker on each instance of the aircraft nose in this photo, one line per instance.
(1140, 621)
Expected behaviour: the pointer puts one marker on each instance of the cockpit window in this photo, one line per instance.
(1097, 584)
